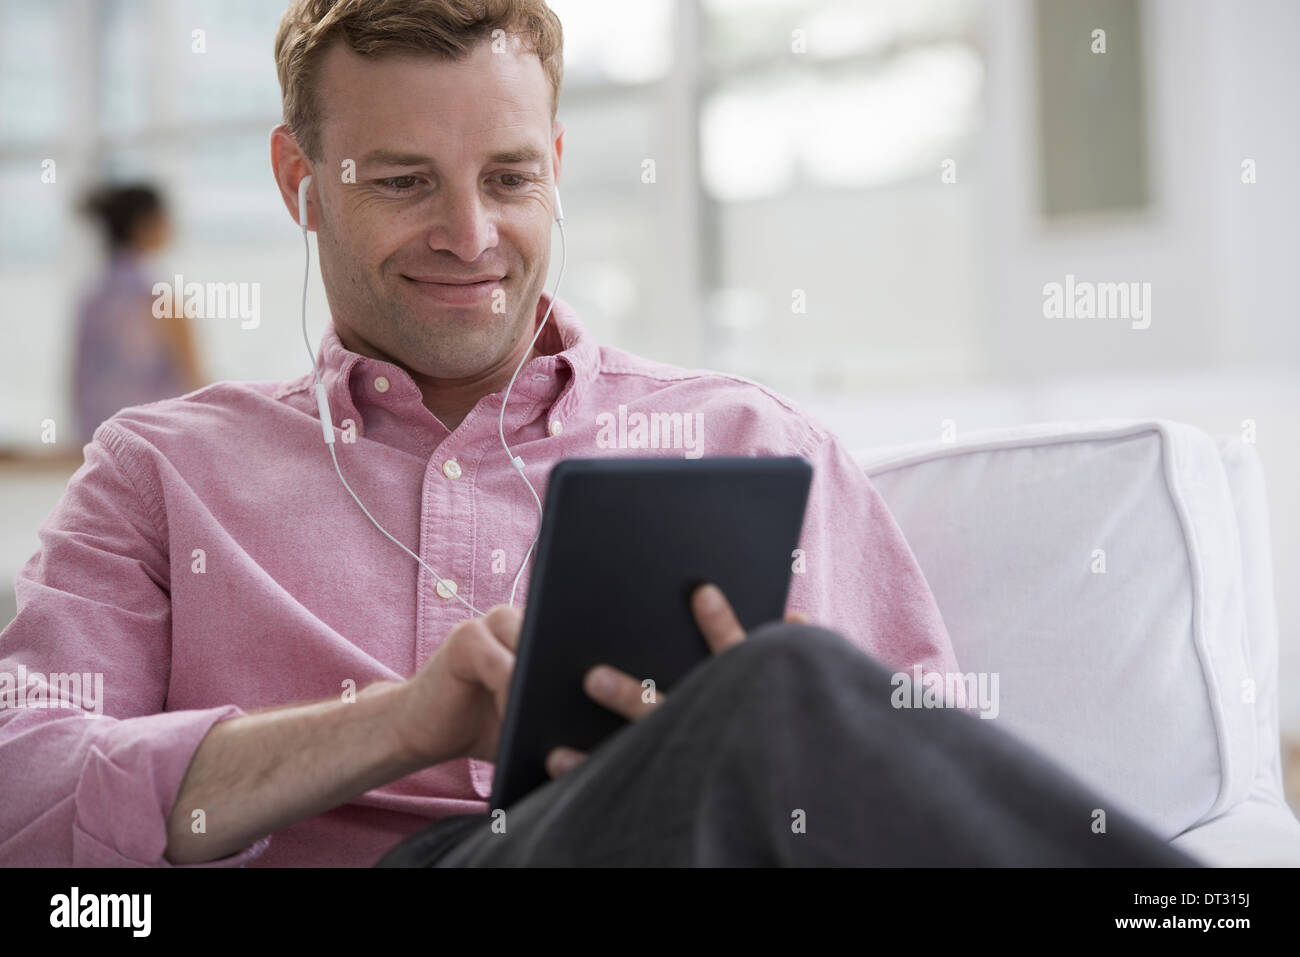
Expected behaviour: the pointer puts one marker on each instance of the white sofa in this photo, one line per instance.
(1155, 679)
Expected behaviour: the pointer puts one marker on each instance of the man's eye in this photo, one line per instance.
(399, 184)
(405, 184)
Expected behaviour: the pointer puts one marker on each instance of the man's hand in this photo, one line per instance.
(453, 707)
(622, 693)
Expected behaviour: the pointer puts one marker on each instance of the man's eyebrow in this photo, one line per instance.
(519, 154)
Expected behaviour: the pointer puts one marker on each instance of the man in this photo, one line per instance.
(209, 563)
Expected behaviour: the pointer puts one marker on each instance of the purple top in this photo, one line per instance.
(121, 356)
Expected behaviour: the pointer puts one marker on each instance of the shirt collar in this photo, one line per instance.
(558, 379)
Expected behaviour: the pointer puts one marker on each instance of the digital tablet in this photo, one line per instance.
(623, 544)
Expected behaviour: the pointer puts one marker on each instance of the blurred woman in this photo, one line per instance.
(124, 354)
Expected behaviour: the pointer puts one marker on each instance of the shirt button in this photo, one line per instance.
(556, 427)
(451, 469)
(381, 384)
(446, 588)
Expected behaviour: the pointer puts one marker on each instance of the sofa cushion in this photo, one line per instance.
(1096, 568)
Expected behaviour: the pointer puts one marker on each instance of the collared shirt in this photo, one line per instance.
(206, 561)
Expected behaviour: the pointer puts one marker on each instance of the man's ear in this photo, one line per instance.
(289, 165)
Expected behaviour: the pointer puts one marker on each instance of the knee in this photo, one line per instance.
(788, 676)
(794, 648)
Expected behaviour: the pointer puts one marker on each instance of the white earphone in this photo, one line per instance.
(302, 201)
(327, 422)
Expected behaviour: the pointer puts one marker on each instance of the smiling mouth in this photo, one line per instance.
(454, 285)
(462, 294)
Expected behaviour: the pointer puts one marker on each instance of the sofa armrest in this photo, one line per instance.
(1261, 831)
(1097, 568)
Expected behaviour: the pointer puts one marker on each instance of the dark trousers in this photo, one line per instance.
(787, 750)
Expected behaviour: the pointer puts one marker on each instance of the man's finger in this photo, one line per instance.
(485, 660)
(796, 617)
(563, 760)
(505, 622)
(622, 693)
(716, 619)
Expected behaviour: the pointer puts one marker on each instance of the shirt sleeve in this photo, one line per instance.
(855, 574)
(90, 759)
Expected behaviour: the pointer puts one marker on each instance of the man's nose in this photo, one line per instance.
(464, 224)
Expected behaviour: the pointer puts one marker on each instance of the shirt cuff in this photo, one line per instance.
(129, 783)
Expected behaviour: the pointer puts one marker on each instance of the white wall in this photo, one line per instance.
(1221, 81)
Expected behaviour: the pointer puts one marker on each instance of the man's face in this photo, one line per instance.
(437, 196)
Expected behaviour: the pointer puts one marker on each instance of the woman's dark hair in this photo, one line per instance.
(121, 210)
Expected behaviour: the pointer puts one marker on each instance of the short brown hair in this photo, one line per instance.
(446, 28)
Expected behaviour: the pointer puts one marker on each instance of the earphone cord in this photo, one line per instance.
(515, 460)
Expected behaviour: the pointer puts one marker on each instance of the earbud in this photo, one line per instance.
(559, 210)
(302, 201)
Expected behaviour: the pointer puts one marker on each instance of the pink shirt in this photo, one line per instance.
(207, 561)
